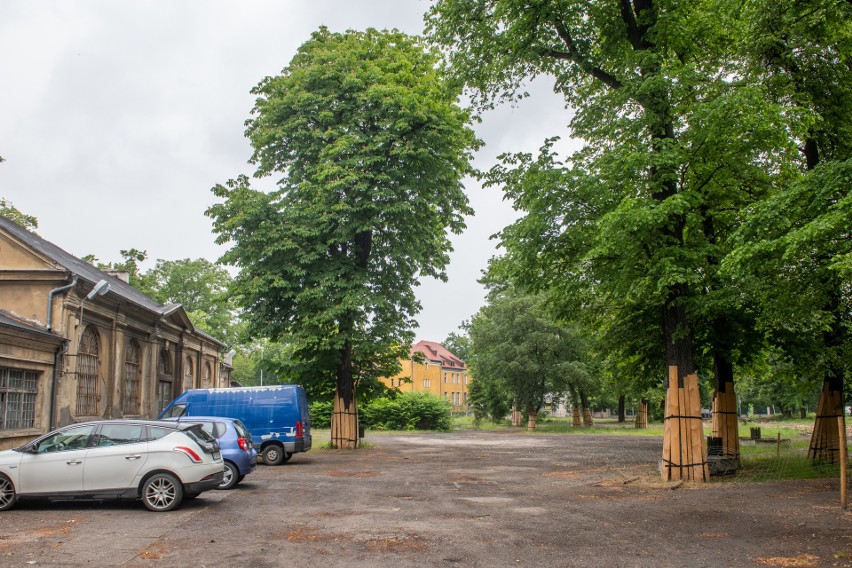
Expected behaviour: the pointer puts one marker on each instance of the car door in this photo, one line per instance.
(118, 453)
(55, 464)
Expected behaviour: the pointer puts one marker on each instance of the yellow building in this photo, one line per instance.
(434, 369)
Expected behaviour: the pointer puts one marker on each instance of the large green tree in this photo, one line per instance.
(676, 144)
(370, 147)
(796, 244)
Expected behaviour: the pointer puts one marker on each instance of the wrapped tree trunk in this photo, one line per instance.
(344, 420)
(825, 439)
(725, 418)
(576, 414)
(533, 415)
(684, 455)
(516, 415)
(587, 411)
(642, 414)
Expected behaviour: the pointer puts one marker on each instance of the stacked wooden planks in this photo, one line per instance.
(684, 455)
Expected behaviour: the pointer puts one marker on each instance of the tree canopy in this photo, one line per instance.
(371, 147)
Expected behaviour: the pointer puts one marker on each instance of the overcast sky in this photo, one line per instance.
(117, 117)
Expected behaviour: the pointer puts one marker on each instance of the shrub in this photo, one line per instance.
(407, 411)
(321, 412)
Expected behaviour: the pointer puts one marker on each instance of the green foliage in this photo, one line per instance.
(407, 411)
(321, 413)
(8, 210)
(372, 147)
(521, 354)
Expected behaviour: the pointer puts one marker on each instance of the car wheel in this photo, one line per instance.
(162, 492)
(273, 455)
(8, 497)
(231, 478)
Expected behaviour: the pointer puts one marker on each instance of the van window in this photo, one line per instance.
(176, 411)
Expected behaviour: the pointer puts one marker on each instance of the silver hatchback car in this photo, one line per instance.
(160, 463)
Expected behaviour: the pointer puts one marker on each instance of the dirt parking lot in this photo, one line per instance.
(465, 499)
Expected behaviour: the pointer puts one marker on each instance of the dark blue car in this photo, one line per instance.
(235, 442)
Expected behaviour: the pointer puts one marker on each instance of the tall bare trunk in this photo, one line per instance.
(622, 417)
(587, 411)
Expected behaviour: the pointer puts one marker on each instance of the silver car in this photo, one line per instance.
(160, 463)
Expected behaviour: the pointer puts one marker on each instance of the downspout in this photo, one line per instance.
(50, 296)
(57, 366)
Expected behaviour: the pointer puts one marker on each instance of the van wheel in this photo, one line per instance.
(231, 478)
(274, 455)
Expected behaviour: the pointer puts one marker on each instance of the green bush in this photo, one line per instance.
(407, 411)
(321, 414)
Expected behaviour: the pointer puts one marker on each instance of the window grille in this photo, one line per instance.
(132, 378)
(164, 384)
(18, 390)
(188, 378)
(87, 373)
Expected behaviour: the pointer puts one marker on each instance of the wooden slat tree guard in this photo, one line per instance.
(684, 454)
(576, 414)
(825, 440)
(344, 424)
(642, 415)
(725, 424)
(587, 417)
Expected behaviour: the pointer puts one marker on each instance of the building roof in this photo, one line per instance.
(92, 274)
(8, 319)
(437, 353)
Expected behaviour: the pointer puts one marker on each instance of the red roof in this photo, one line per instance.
(437, 353)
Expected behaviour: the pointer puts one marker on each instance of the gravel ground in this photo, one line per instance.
(464, 499)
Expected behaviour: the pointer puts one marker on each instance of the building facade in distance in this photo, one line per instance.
(432, 368)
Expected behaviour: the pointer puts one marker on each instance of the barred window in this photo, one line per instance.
(87, 373)
(132, 378)
(188, 378)
(164, 382)
(18, 390)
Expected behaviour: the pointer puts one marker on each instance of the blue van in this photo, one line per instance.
(276, 416)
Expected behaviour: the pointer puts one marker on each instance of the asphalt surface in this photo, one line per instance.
(465, 499)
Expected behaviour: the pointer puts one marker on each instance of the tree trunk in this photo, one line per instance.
(642, 414)
(825, 440)
(621, 413)
(725, 418)
(684, 454)
(344, 420)
(587, 411)
(576, 414)
(533, 415)
(516, 416)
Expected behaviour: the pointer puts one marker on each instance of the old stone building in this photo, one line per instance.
(79, 344)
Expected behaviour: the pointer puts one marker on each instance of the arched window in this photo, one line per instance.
(208, 375)
(164, 380)
(188, 379)
(87, 373)
(132, 378)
